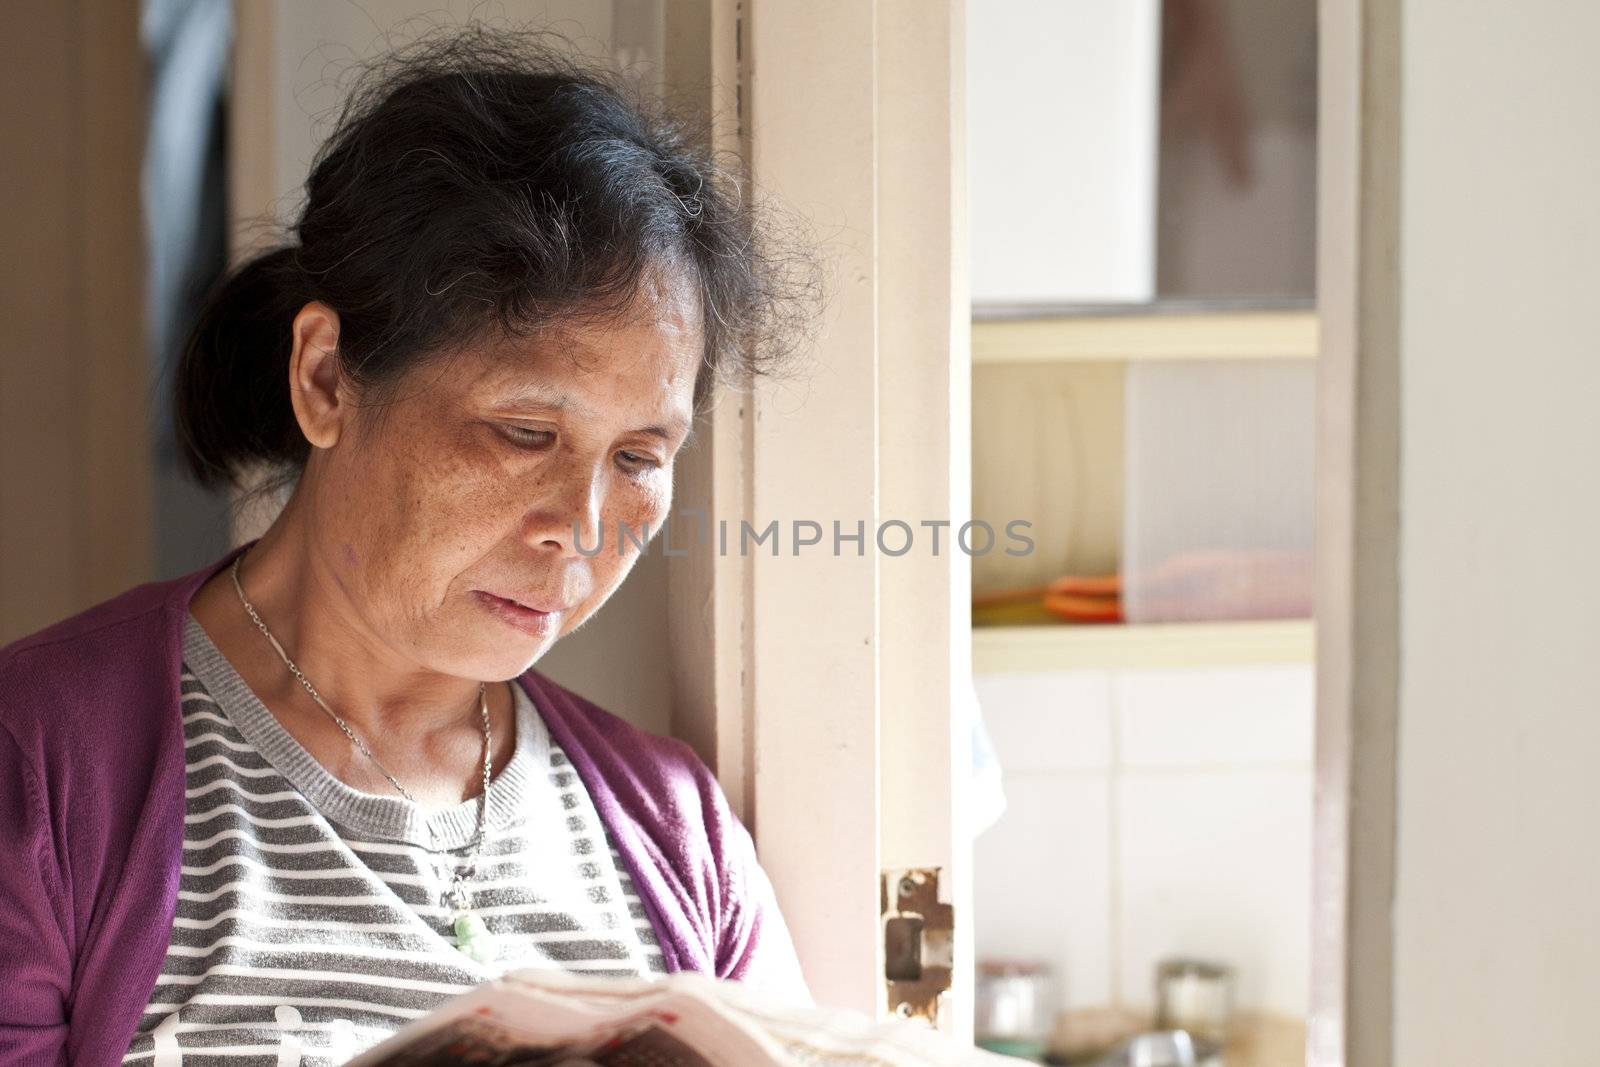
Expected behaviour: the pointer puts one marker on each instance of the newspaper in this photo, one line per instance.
(550, 1018)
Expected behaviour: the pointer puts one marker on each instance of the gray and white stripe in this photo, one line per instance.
(310, 921)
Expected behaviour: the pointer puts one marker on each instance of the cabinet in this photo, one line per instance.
(1053, 397)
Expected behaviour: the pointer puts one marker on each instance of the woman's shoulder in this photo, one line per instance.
(87, 627)
(605, 737)
(66, 677)
(722, 899)
(657, 783)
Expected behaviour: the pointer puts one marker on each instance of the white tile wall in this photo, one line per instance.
(1151, 813)
(1045, 884)
(1214, 716)
(1217, 865)
(1049, 722)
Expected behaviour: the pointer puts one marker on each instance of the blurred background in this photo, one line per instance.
(1143, 220)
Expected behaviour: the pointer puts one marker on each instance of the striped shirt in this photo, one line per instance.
(310, 921)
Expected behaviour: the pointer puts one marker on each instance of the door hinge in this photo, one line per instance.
(918, 943)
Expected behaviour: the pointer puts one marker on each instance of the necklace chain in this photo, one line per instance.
(456, 895)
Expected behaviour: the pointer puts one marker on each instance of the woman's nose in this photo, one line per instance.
(565, 514)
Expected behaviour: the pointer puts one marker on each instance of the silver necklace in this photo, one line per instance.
(472, 935)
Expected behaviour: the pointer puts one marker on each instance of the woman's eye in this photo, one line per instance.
(638, 463)
(522, 435)
(635, 462)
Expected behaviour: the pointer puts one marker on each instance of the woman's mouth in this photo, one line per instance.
(526, 619)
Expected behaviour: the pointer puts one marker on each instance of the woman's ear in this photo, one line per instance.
(316, 387)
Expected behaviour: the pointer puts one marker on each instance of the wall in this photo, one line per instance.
(1062, 108)
(75, 509)
(1497, 902)
(1150, 813)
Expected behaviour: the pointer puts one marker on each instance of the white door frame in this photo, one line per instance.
(824, 688)
(1358, 533)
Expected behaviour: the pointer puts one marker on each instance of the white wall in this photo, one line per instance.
(1497, 905)
(1151, 813)
(1061, 127)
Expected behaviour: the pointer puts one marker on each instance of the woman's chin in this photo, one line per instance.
(497, 662)
(501, 657)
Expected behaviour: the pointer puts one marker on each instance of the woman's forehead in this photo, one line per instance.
(659, 330)
(588, 356)
(587, 370)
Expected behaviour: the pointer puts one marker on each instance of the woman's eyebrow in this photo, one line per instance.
(671, 431)
(545, 397)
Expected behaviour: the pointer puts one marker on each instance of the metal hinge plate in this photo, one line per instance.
(918, 943)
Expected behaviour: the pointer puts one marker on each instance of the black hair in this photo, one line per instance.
(480, 181)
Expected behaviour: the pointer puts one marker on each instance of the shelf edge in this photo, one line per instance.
(1118, 338)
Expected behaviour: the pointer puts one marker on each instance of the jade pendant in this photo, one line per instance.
(473, 937)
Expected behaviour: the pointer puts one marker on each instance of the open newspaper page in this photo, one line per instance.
(549, 1018)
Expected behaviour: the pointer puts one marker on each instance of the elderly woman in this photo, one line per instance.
(315, 787)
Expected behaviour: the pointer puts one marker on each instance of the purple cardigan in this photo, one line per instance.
(91, 829)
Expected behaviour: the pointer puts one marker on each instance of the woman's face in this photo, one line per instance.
(467, 496)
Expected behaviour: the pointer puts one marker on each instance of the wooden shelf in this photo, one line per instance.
(1114, 338)
(1070, 647)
